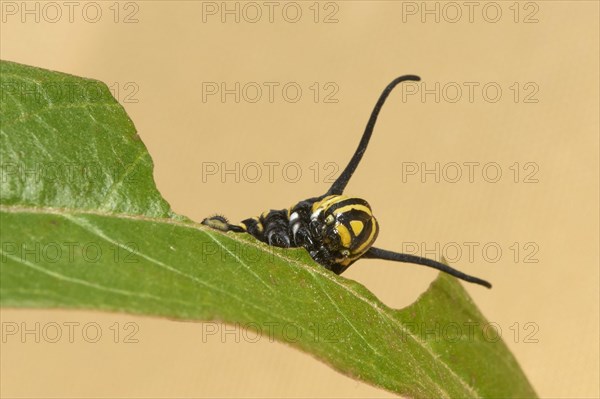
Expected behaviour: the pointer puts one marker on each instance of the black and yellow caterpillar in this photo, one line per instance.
(335, 229)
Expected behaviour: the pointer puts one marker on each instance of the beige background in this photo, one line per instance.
(167, 55)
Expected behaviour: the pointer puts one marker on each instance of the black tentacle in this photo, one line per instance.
(377, 253)
(340, 184)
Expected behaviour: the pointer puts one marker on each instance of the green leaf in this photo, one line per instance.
(83, 226)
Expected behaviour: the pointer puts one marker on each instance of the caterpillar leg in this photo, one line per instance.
(299, 224)
(275, 226)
